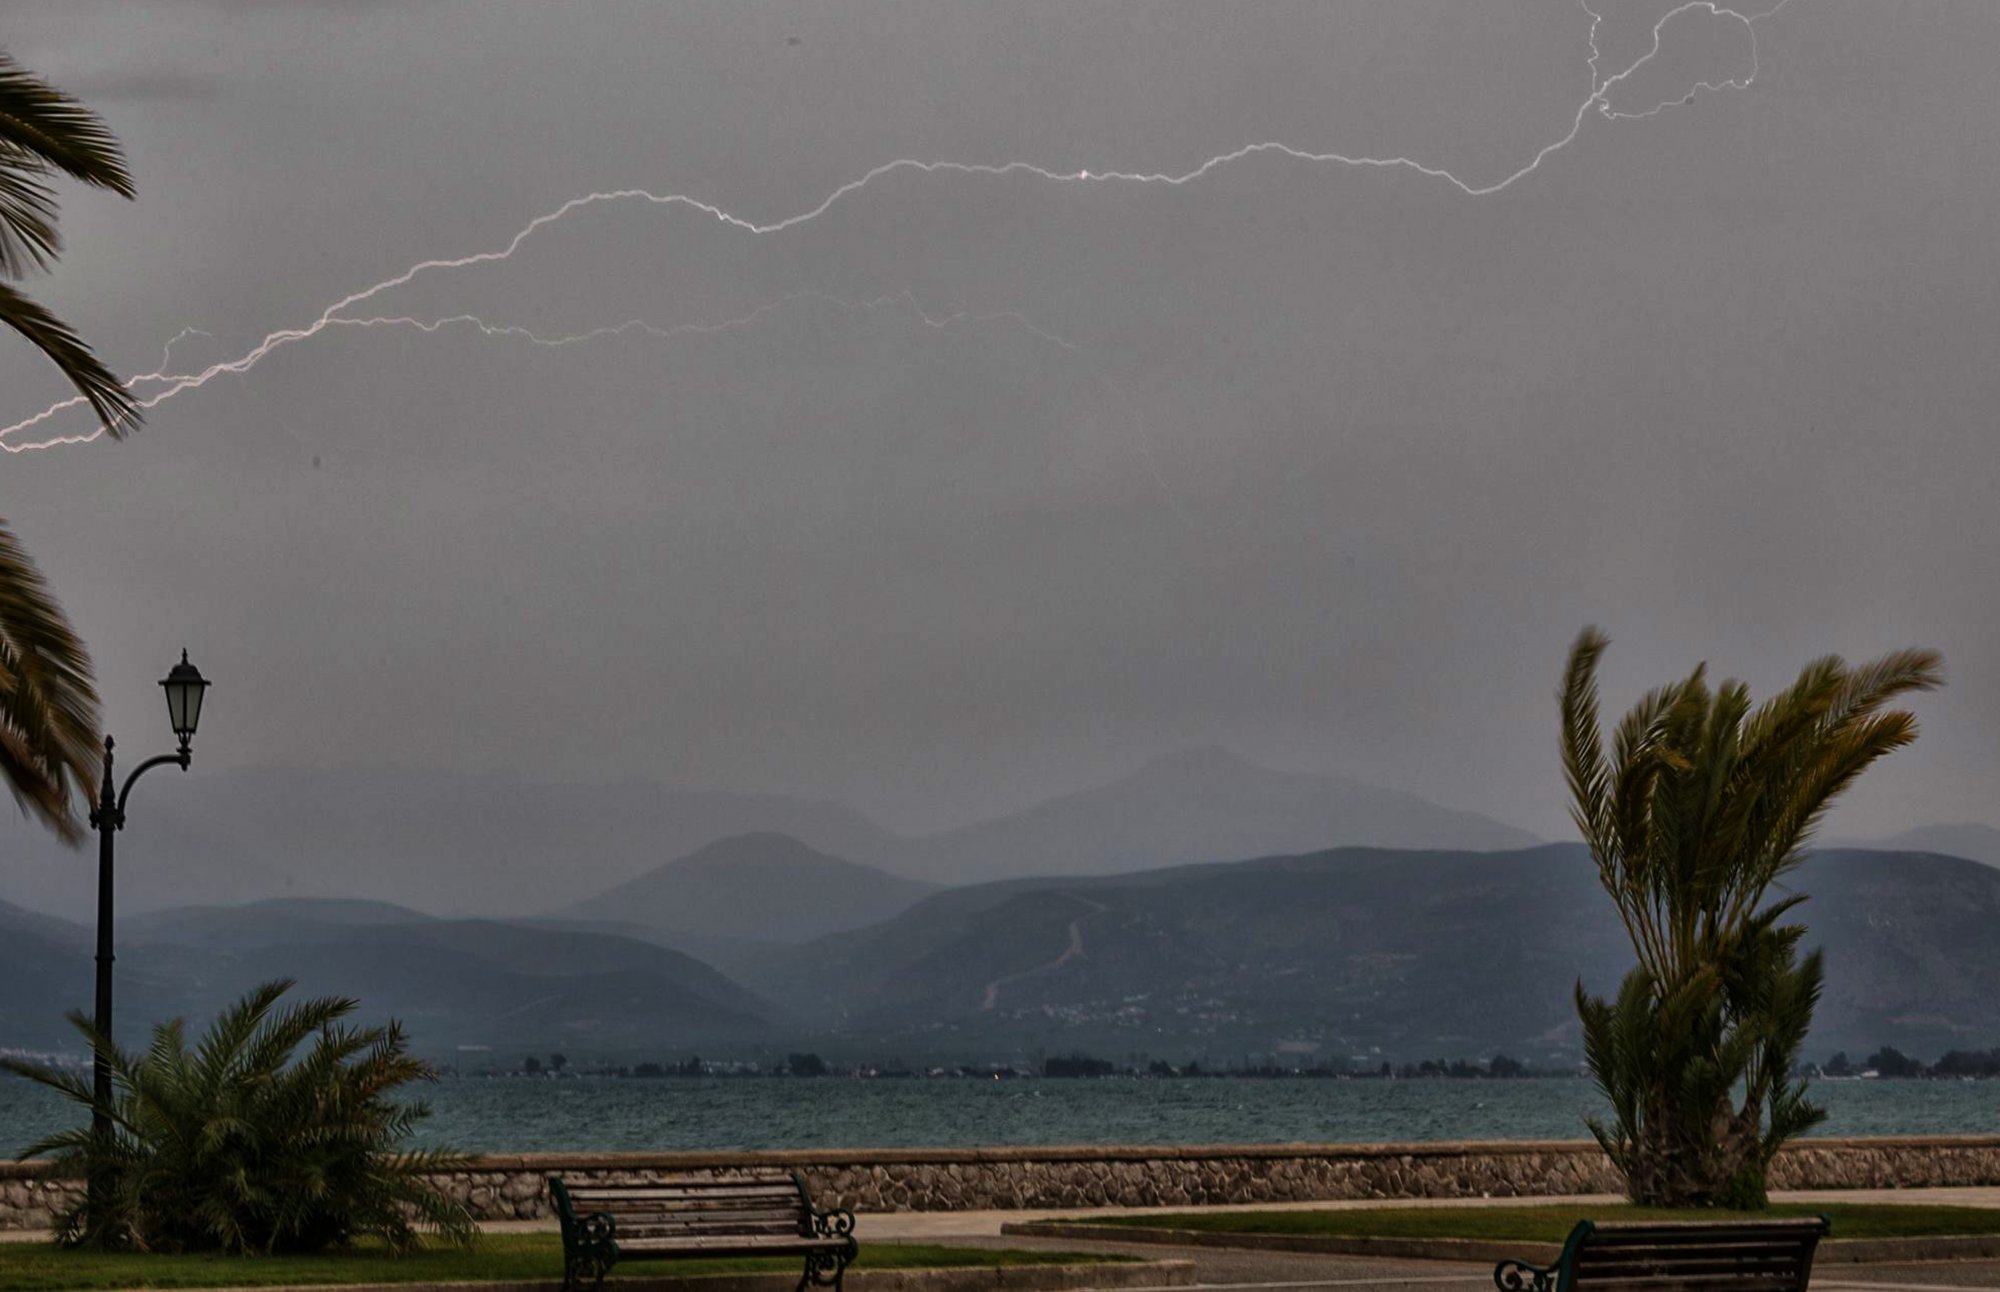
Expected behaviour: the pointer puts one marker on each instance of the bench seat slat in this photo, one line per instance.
(683, 1195)
(1679, 1256)
(1775, 1268)
(707, 1223)
(693, 1187)
(689, 1205)
(734, 1242)
(1697, 1233)
(735, 1227)
(705, 1213)
(717, 1220)
(1686, 1252)
(1599, 1263)
(695, 1182)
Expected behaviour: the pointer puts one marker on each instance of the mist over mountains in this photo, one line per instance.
(501, 845)
(454, 983)
(762, 887)
(1202, 804)
(1202, 906)
(1968, 839)
(1345, 956)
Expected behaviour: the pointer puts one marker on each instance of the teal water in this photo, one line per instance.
(590, 1113)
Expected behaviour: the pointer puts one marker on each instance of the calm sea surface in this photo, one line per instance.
(526, 1115)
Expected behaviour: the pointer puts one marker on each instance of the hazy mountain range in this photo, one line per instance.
(762, 887)
(630, 922)
(1352, 951)
(1970, 840)
(503, 846)
(1328, 955)
(454, 983)
(1198, 805)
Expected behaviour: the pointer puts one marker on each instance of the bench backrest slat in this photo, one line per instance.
(725, 1202)
(694, 1209)
(687, 1193)
(1675, 1256)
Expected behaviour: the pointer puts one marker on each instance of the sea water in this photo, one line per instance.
(578, 1114)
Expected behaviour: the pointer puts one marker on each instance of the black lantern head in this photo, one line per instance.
(184, 685)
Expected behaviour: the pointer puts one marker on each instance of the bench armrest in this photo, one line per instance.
(595, 1231)
(1519, 1276)
(834, 1222)
(598, 1229)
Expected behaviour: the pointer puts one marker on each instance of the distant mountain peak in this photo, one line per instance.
(1973, 839)
(760, 885)
(1202, 803)
(755, 846)
(1197, 757)
(1203, 764)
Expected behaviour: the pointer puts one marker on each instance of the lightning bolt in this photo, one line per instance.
(164, 385)
(901, 300)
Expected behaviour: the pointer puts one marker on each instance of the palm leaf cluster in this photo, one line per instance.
(48, 704)
(238, 1143)
(45, 133)
(1702, 805)
(48, 708)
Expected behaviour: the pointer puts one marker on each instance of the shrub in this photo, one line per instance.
(238, 1144)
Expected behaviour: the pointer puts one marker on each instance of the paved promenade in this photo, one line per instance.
(1248, 1271)
(1224, 1270)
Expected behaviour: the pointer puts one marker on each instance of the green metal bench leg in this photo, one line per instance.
(826, 1269)
(576, 1269)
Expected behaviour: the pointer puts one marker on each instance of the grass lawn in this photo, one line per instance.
(43, 1267)
(1551, 1223)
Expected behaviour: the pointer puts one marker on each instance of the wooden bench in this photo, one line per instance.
(1673, 1255)
(699, 1215)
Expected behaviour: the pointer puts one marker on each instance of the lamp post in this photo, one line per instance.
(184, 686)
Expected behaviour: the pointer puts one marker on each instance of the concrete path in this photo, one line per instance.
(937, 1226)
(929, 1226)
(1227, 1270)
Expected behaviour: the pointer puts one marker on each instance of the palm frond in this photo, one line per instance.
(48, 703)
(117, 411)
(43, 130)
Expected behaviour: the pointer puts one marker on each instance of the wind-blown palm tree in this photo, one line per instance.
(1703, 805)
(48, 706)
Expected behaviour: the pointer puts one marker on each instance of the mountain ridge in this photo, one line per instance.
(1204, 803)
(1362, 950)
(760, 886)
(500, 845)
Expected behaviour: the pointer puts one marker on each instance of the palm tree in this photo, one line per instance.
(238, 1142)
(1703, 805)
(48, 706)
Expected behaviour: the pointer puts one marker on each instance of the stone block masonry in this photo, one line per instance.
(511, 1186)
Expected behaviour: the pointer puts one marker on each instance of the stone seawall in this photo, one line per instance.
(510, 1186)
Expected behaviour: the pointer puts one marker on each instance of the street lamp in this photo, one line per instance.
(184, 686)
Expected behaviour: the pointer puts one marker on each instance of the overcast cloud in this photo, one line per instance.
(976, 488)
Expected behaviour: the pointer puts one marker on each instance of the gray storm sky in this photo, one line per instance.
(972, 488)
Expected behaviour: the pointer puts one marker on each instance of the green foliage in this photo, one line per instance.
(1703, 805)
(240, 1144)
(44, 132)
(48, 707)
